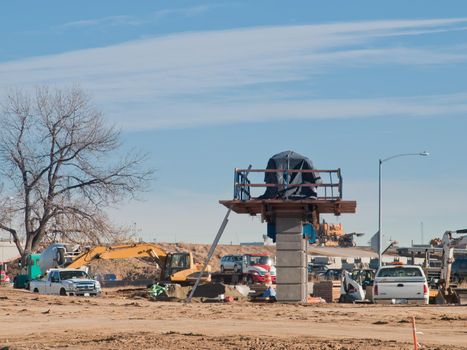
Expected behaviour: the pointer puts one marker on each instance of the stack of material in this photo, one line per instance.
(328, 290)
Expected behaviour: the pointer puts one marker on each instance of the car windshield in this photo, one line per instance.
(260, 260)
(400, 272)
(68, 275)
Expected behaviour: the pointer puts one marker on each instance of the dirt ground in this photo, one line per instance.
(116, 321)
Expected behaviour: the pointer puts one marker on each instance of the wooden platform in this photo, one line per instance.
(266, 207)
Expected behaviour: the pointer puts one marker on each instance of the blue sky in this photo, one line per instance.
(205, 87)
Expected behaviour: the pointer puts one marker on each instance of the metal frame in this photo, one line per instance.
(242, 185)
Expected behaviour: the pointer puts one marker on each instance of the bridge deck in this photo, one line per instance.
(264, 206)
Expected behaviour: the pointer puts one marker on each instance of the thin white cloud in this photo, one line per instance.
(104, 21)
(156, 80)
(125, 20)
(263, 110)
(184, 12)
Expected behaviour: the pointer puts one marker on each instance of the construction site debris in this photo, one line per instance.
(315, 300)
(206, 292)
(157, 289)
(213, 290)
(328, 290)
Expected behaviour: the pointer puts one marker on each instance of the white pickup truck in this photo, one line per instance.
(400, 284)
(66, 282)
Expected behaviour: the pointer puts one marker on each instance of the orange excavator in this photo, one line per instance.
(176, 267)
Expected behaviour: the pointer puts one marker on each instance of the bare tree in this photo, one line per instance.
(63, 165)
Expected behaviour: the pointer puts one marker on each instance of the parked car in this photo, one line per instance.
(332, 274)
(107, 277)
(317, 269)
(66, 282)
(253, 267)
(400, 284)
(232, 263)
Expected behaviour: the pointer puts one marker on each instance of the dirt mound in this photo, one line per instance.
(131, 269)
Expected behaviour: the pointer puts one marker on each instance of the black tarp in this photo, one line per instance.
(290, 160)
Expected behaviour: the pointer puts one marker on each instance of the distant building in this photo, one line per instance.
(8, 251)
(266, 242)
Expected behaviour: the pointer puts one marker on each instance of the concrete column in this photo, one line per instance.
(292, 276)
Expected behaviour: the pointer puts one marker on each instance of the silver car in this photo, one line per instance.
(232, 263)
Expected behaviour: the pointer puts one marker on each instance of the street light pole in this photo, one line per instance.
(380, 236)
(380, 167)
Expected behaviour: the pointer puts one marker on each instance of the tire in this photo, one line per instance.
(36, 290)
(249, 280)
(222, 269)
(60, 256)
(62, 291)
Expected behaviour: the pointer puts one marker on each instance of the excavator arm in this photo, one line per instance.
(124, 251)
(176, 267)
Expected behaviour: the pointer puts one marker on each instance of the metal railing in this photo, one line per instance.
(329, 188)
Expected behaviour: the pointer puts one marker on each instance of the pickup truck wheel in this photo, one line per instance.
(36, 290)
(62, 291)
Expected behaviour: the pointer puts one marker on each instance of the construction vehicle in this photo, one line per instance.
(447, 292)
(438, 266)
(351, 289)
(177, 267)
(28, 273)
(329, 234)
(332, 235)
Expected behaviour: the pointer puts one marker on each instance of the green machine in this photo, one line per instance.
(30, 272)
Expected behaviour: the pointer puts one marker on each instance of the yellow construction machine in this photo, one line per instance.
(176, 267)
